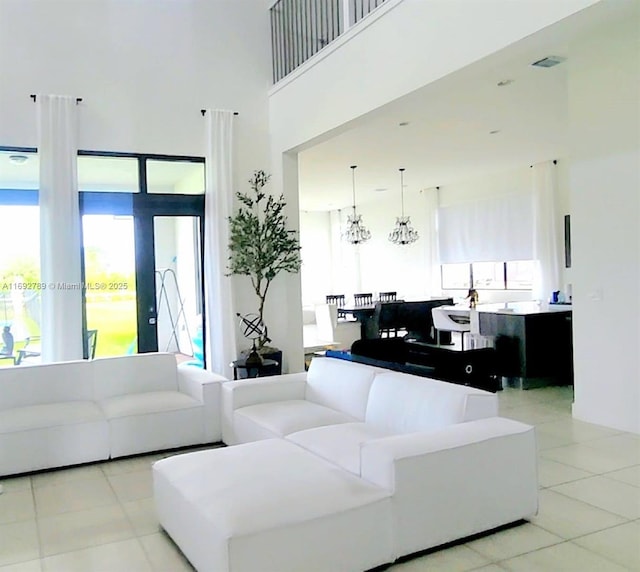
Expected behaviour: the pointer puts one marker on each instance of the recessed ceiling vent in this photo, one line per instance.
(549, 62)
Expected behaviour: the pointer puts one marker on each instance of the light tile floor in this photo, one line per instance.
(101, 517)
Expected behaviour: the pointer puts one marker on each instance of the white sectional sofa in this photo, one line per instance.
(58, 414)
(442, 465)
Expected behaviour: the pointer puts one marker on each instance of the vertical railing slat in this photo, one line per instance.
(301, 28)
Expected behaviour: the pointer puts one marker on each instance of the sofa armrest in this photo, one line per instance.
(264, 389)
(204, 386)
(242, 393)
(455, 481)
(198, 382)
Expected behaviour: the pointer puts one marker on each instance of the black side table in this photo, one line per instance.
(253, 370)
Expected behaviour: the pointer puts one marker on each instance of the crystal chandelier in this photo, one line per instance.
(403, 233)
(356, 232)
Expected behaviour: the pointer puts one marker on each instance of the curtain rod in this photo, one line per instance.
(203, 111)
(555, 162)
(33, 96)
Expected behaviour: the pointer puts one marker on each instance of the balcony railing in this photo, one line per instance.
(300, 28)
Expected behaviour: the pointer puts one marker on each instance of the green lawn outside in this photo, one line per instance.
(115, 321)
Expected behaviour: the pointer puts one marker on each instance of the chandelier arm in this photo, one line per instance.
(353, 186)
(402, 190)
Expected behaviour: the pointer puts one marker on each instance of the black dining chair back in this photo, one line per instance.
(389, 320)
(363, 299)
(387, 296)
(337, 299)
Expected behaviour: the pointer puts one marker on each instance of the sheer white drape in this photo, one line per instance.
(547, 254)
(489, 230)
(432, 201)
(61, 310)
(220, 322)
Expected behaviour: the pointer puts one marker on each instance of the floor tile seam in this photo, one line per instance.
(628, 519)
(631, 436)
(94, 477)
(128, 536)
(591, 473)
(619, 563)
(574, 440)
(614, 432)
(612, 452)
(560, 541)
(598, 473)
(63, 512)
(65, 482)
(35, 516)
(91, 546)
(606, 476)
(147, 555)
(489, 559)
(586, 533)
(567, 541)
(129, 519)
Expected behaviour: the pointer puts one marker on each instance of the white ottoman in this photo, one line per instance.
(271, 506)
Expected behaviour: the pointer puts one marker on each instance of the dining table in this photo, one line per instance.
(365, 315)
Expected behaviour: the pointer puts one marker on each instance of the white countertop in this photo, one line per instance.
(519, 308)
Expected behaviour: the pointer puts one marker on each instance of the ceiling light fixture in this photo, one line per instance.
(18, 159)
(549, 62)
(356, 231)
(403, 233)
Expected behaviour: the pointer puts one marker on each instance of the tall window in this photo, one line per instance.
(142, 221)
(19, 248)
(513, 275)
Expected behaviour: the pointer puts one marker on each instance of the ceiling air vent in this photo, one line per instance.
(549, 62)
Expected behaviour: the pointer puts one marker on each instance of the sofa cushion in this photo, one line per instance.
(339, 444)
(49, 415)
(340, 385)
(279, 418)
(403, 403)
(134, 374)
(45, 383)
(271, 506)
(148, 402)
(153, 421)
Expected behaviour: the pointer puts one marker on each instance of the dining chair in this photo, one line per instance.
(448, 319)
(339, 300)
(388, 320)
(340, 334)
(363, 299)
(387, 296)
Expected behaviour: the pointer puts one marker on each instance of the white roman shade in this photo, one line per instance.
(490, 230)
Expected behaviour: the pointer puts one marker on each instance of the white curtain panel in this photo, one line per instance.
(490, 230)
(432, 200)
(218, 200)
(547, 254)
(61, 310)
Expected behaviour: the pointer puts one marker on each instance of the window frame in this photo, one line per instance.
(505, 279)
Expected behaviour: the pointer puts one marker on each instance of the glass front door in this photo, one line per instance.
(178, 280)
(110, 285)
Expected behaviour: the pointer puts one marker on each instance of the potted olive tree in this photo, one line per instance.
(261, 247)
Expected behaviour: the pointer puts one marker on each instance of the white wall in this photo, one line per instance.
(315, 242)
(604, 175)
(144, 70)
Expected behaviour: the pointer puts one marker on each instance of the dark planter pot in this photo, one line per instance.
(266, 370)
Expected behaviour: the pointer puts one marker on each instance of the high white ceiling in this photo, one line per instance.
(448, 137)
